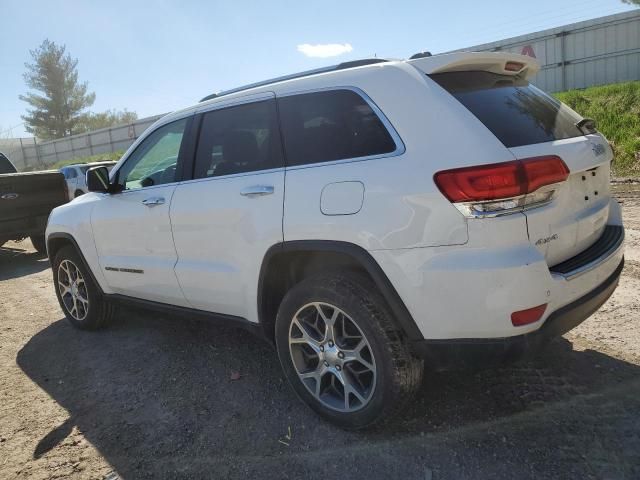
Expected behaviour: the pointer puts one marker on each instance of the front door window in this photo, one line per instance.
(155, 160)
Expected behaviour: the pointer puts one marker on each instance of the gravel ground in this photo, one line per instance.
(153, 397)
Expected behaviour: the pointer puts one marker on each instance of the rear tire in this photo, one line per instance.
(39, 243)
(78, 193)
(356, 374)
(80, 298)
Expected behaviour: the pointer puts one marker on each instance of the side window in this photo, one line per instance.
(5, 165)
(238, 139)
(331, 125)
(154, 161)
(65, 173)
(72, 173)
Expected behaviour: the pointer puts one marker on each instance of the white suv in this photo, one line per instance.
(369, 219)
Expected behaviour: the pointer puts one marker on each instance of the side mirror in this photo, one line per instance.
(98, 180)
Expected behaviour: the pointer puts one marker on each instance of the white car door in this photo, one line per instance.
(227, 217)
(132, 229)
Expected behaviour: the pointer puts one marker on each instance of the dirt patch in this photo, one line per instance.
(159, 397)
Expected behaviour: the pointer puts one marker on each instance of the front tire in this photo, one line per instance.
(342, 352)
(78, 295)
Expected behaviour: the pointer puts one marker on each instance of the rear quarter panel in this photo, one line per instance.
(402, 207)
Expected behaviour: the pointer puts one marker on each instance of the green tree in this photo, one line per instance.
(56, 111)
(94, 121)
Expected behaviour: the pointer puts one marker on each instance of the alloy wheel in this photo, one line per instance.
(73, 290)
(332, 357)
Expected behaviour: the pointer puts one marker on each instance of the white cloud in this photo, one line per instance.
(323, 50)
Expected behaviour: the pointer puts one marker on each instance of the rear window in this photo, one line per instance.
(331, 125)
(515, 111)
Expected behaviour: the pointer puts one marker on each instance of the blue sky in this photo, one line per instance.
(154, 57)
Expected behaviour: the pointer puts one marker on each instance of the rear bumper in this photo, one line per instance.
(474, 352)
(470, 291)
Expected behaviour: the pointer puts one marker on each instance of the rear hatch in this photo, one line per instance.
(532, 124)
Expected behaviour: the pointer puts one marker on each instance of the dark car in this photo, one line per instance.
(26, 199)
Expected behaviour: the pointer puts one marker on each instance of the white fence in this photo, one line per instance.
(30, 154)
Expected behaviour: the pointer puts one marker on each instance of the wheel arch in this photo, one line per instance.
(287, 263)
(58, 240)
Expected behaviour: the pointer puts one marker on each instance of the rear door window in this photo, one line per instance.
(515, 111)
(331, 125)
(239, 139)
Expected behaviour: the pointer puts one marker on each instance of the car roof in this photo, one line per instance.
(293, 76)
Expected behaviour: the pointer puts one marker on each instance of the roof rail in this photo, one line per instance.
(307, 73)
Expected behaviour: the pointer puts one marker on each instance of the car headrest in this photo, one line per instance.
(240, 147)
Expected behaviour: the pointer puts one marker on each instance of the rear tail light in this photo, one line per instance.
(530, 315)
(502, 188)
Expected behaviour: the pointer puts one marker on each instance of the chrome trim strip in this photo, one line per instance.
(468, 210)
(594, 263)
(223, 103)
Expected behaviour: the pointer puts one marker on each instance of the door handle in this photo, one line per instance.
(257, 190)
(150, 202)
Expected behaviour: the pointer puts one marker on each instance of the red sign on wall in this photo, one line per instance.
(528, 50)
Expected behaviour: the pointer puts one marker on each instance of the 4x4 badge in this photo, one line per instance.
(598, 149)
(546, 240)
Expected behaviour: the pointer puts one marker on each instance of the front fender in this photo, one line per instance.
(72, 223)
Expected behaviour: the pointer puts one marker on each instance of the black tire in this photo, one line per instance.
(39, 243)
(398, 372)
(78, 193)
(99, 311)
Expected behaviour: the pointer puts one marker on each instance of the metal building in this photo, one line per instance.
(595, 52)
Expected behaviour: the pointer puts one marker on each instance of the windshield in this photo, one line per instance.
(515, 111)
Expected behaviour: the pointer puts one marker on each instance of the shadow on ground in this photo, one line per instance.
(154, 395)
(17, 260)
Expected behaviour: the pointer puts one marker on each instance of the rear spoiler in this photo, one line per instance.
(502, 63)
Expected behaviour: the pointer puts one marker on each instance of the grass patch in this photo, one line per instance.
(100, 157)
(616, 110)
